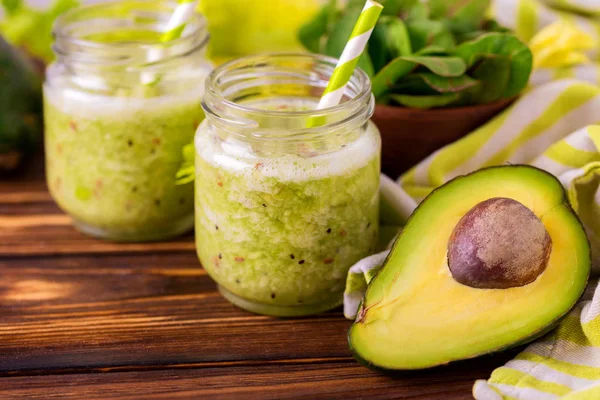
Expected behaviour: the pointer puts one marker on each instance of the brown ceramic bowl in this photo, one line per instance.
(409, 135)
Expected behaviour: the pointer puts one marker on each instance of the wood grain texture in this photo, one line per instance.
(274, 381)
(81, 318)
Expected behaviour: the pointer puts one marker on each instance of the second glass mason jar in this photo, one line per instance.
(286, 196)
(119, 107)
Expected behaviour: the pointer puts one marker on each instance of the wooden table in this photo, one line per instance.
(86, 319)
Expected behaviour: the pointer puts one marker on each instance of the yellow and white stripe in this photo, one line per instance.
(527, 17)
(354, 48)
(564, 365)
(183, 12)
(181, 15)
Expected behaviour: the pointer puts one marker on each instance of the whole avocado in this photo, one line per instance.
(20, 106)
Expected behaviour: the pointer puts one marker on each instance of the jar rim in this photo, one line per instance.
(360, 77)
(60, 30)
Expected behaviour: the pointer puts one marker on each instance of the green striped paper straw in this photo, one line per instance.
(181, 15)
(354, 48)
(184, 10)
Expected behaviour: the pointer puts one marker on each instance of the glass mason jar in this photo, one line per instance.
(286, 196)
(119, 106)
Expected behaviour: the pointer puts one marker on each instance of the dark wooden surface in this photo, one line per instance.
(86, 319)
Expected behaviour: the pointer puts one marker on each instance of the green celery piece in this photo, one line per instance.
(500, 44)
(186, 172)
(425, 102)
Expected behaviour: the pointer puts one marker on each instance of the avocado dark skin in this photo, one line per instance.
(20, 107)
(416, 315)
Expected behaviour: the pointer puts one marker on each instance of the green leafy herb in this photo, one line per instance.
(501, 44)
(425, 32)
(401, 66)
(311, 35)
(425, 102)
(425, 54)
(443, 66)
(389, 40)
(494, 75)
(392, 73)
(443, 84)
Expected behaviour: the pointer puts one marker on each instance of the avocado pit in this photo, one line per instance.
(498, 244)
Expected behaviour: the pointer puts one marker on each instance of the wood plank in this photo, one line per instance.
(272, 381)
(67, 312)
(51, 234)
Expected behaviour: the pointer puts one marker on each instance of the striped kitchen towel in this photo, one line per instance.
(528, 17)
(563, 365)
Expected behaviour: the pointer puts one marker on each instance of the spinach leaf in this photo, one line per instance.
(413, 84)
(312, 33)
(389, 40)
(401, 66)
(494, 75)
(425, 102)
(459, 15)
(448, 85)
(491, 45)
(397, 7)
(390, 74)
(427, 32)
(425, 54)
(443, 66)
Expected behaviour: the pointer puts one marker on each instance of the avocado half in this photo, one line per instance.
(416, 314)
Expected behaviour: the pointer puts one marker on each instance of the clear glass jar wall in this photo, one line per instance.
(119, 107)
(286, 197)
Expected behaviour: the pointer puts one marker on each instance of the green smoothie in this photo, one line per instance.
(279, 233)
(119, 106)
(111, 162)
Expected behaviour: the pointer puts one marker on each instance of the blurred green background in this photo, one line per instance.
(237, 27)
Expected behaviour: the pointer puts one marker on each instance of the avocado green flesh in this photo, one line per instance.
(415, 315)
